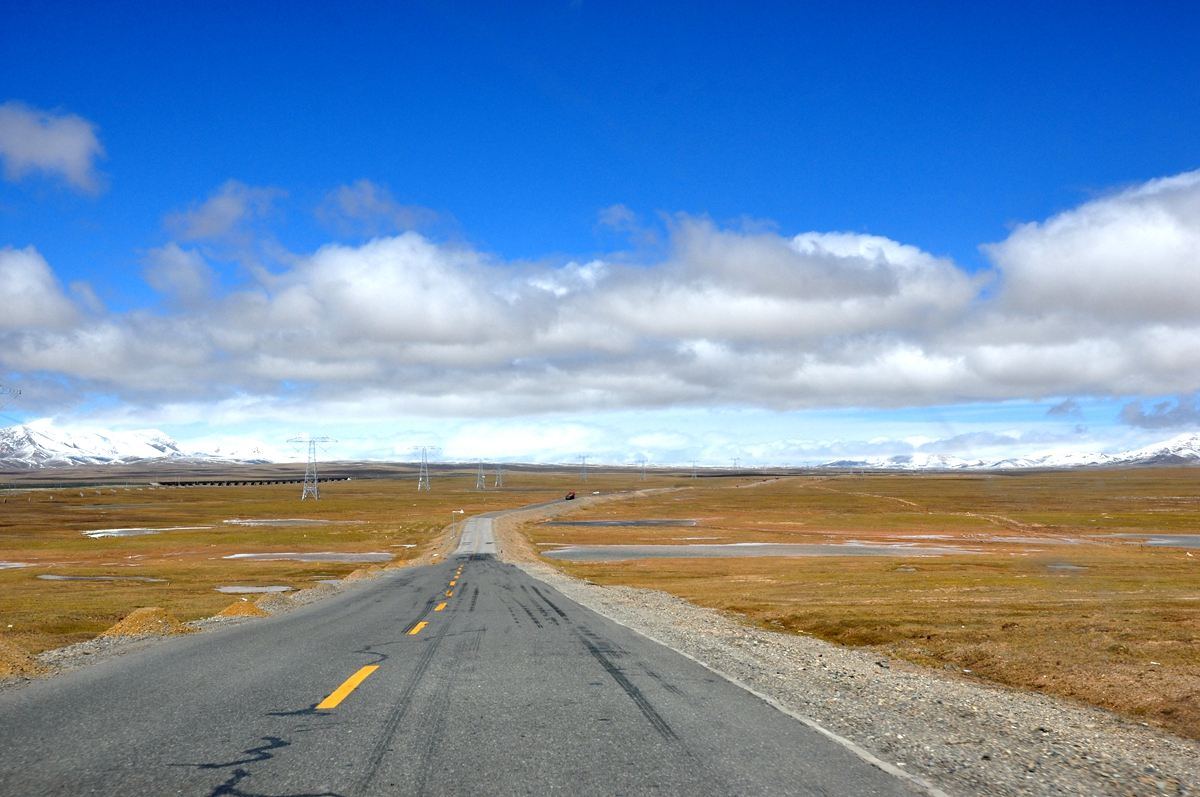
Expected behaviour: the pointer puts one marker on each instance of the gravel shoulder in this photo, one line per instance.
(964, 736)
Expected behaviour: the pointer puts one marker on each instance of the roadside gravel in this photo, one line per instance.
(964, 736)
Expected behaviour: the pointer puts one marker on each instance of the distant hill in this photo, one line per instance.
(1181, 450)
(42, 445)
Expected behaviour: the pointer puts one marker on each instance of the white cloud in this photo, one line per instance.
(31, 297)
(727, 317)
(61, 144)
(1132, 257)
(222, 214)
(370, 209)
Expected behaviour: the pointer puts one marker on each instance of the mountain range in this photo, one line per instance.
(40, 444)
(1181, 450)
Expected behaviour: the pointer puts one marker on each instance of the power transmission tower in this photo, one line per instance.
(693, 468)
(423, 476)
(499, 476)
(642, 463)
(583, 469)
(311, 483)
(736, 462)
(480, 479)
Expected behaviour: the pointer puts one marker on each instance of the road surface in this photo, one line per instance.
(485, 682)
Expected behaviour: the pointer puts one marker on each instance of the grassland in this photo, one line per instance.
(43, 529)
(1042, 597)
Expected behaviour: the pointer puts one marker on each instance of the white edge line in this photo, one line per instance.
(865, 755)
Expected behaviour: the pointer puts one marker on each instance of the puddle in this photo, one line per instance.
(250, 590)
(102, 578)
(326, 556)
(98, 533)
(616, 553)
(1066, 567)
(619, 523)
(329, 581)
(1164, 540)
(88, 507)
(287, 521)
(9, 565)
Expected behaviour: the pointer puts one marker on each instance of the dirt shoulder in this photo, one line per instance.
(966, 737)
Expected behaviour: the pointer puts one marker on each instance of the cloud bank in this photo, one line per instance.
(63, 145)
(1101, 300)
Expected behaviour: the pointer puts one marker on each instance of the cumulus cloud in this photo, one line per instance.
(1131, 257)
(31, 297)
(183, 275)
(365, 208)
(724, 317)
(1183, 412)
(64, 145)
(224, 212)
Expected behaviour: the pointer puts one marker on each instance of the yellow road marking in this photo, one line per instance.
(439, 607)
(449, 593)
(345, 689)
(452, 583)
(418, 627)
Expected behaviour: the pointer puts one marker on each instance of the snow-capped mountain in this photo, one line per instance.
(1181, 450)
(41, 444)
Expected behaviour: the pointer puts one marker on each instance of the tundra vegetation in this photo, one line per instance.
(1045, 596)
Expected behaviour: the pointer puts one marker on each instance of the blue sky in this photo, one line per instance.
(574, 225)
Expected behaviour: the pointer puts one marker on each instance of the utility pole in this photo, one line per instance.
(311, 483)
(480, 479)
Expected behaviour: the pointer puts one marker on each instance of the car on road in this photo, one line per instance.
(570, 496)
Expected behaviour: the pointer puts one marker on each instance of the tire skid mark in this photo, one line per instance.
(635, 694)
(550, 603)
(531, 617)
(429, 604)
(474, 598)
(392, 723)
(541, 610)
(439, 708)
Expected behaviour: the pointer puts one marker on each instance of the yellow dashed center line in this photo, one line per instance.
(418, 627)
(345, 689)
(439, 607)
(449, 593)
(452, 583)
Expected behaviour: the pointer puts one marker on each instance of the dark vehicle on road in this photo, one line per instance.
(570, 496)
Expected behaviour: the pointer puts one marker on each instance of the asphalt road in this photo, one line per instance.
(486, 682)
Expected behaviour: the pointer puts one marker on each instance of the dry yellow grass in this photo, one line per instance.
(42, 528)
(1049, 601)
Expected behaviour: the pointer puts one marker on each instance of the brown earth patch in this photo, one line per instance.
(16, 662)
(148, 621)
(242, 609)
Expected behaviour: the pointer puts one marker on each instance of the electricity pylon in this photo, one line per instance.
(480, 479)
(693, 468)
(583, 469)
(642, 462)
(311, 483)
(499, 476)
(423, 477)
